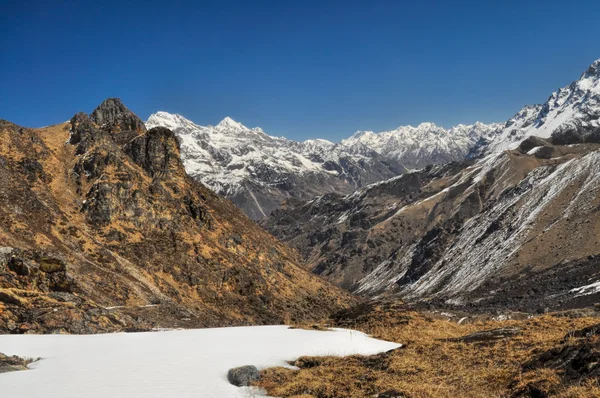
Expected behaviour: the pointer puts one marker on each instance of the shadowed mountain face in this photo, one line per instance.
(101, 229)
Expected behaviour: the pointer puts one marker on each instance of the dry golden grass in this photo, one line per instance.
(428, 366)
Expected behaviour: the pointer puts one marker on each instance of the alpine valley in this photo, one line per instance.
(517, 227)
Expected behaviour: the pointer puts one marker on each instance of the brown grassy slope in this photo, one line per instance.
(127, 227)
(431, 366)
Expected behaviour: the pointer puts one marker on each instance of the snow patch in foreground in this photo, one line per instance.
(171, 364)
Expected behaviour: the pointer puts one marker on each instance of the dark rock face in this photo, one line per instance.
(157, 152)
(118, 120)
(243, 375)
(531, 142)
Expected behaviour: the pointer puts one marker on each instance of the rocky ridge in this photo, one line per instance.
(101, 229)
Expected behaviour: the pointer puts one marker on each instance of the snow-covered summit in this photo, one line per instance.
(572, 111)
(258, 171)
(230, 124)
(171, 121)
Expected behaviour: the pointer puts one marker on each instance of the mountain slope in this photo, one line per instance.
(518, 228)
(101, 229)
(463, 232)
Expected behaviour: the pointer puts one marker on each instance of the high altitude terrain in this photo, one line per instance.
(101, 229)
(518, 228)
(258, 171)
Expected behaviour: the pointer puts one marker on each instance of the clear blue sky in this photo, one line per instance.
(302, 69)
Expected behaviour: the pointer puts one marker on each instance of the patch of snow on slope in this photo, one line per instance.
(172, 364)
(587, 289)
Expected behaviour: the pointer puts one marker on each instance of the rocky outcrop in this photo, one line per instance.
(12, 363)
(117, 120)
(488, 336)
(575, 361)
(109, 233)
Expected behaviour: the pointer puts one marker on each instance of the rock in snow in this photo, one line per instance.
(172, 364)
(242, 376)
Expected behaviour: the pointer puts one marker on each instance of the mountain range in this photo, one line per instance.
(258, 171)
(515, 228)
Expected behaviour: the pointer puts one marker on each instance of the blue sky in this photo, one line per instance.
(302, 69)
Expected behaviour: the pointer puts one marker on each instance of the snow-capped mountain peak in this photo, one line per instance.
(229, 123)
(570, 113)
(592, 71)
(171, 121)
(258, 171)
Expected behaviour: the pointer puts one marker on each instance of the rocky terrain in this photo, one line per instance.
(474, 233)
(258, 171)
(101, 229)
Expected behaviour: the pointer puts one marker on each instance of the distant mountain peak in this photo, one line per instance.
(229, 123)
(572, 113)
(359, 134)
(427, 126)
(593, 70)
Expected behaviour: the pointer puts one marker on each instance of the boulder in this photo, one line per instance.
(243, 375)
(18, 266)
